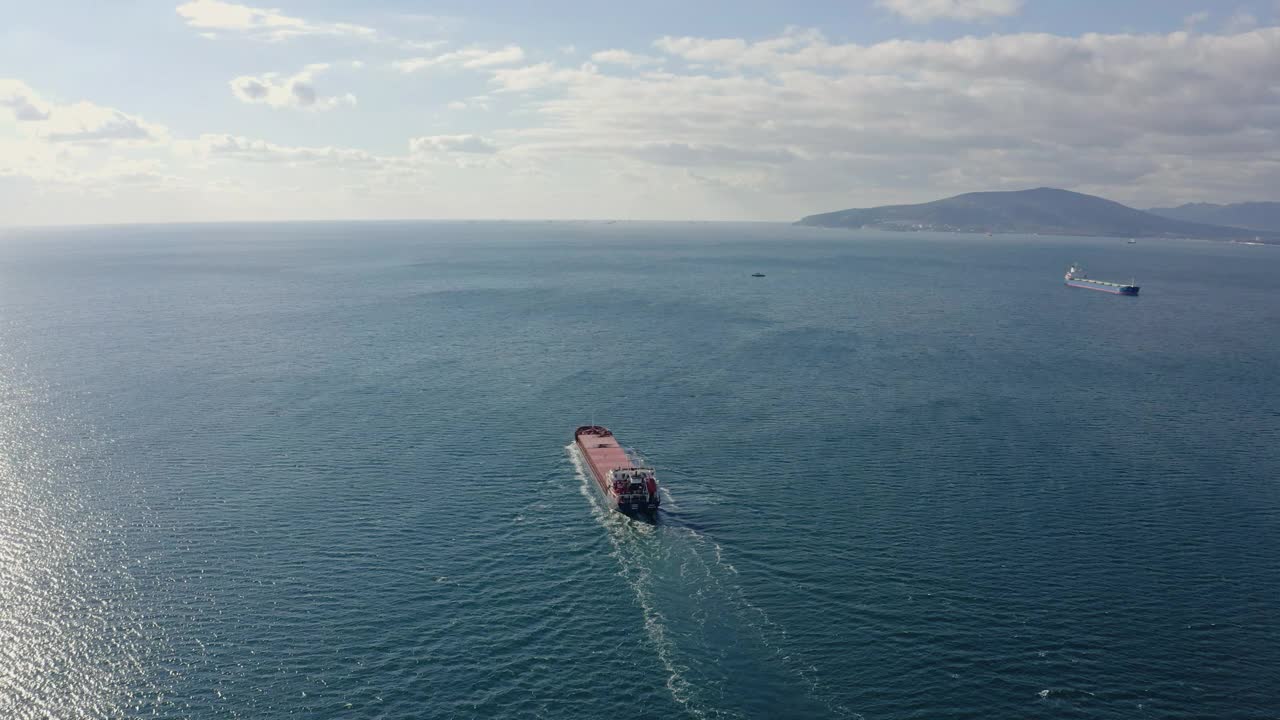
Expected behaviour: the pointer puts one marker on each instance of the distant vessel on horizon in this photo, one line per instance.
(1076, 277)
(757, 274)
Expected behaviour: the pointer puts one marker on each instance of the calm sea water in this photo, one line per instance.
(322, 471)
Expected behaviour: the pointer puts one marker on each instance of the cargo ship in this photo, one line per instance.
(1076, 277)
(626, 483)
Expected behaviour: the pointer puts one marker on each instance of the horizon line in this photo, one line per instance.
(303, 221)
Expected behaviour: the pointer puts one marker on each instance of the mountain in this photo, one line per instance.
(1044, 210)
(1252, 215)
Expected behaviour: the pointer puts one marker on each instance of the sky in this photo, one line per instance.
(213, 110)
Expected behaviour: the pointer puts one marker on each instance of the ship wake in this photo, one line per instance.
(640, 579)
(696, 614)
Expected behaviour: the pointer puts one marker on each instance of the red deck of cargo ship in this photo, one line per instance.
(627, 485)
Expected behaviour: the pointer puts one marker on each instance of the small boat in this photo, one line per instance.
(757, 274)
(1132, 241)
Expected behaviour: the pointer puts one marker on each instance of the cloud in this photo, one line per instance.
(768, 127)
(702, 49)
(623, 57)
(533, 77)
(476, 102)
(212, 146)
(85, 122)
(1196, 18)
(797, 114)
(472, 58)
(1240, 21)
(22, 101)
(968, 10)
(124, 174)
(296, 91)
(95, 168)
(54, 157)
(1090, 63)
(451, 144)
(80, 122)
(687, 155)
(263, 23)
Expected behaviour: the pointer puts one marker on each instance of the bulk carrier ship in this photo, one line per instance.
(1076, 277)
(626, 483)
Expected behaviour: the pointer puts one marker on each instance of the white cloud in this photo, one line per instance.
(451, 144)
(1196, 18)
(1240, 21)
(622, 57)
(295, 91)
(212, 146)
(22, 101)
(75, 123)
(708, 155)
(412, 64)
(106, 182)
(473, 58)
(533, 77)
(263, 23)
(33, 159)
(125, 173)
(224, 146)
(702, 49)
(477, 102)
(798, 115)
(926, 10)
(762, 128)
(479, 59)
(98, 168)
(85, 122)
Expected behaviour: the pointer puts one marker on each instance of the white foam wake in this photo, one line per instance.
(701, 562)
(771, 634)
(618, 527)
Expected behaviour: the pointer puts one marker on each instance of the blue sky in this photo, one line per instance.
(216, 110)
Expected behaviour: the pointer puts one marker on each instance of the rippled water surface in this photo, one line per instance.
(324, 471)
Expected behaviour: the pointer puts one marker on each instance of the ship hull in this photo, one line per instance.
(1111, 288)
(605, 456)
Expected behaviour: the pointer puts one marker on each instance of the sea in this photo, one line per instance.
(325, 470)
